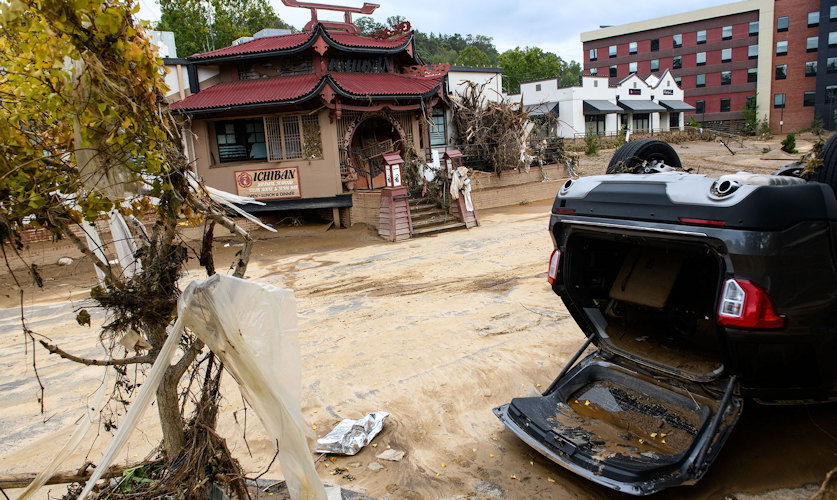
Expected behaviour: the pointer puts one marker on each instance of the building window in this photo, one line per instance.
(725, 104)
(778, 101)
(700, 107)
(782, 23)
(677, 80)
(677, 62)
(674, 120)
(655, 65)
(632, 47)
(832, 39)
(751, 102)
(809, 98)
(240, 140)
(632, 67)
(611, 51)
(292, 137)
(811, 68)
(813, 19)
(537, 87)
(701, 36)
(781, 72)
(700, 80)
(726, 77)
(655, 45)
(831, 65)
(438, 134)
(594, 71)
(753, 28)
(594, 124)
(642, 122)
(676, 41)
(781, 48)
(726, 32)
(613, 71)
(726, 55)
(752, 75)
(700, 58)
(594, 54)
(752, 52)
(811, 43)
(832, 15)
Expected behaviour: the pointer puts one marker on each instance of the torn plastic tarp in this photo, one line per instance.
(252, 328)
(350, 436)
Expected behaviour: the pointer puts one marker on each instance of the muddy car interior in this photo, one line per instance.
(653, 303)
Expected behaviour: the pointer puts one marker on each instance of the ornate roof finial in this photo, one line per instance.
(347, 24)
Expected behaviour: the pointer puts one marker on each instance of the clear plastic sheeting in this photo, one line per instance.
(252, 328)
(350, 436)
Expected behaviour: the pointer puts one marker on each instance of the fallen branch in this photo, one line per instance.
(53, 349)
(22, 480)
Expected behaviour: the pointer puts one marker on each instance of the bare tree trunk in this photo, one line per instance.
(171, 421)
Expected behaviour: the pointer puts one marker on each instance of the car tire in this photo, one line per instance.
(628, 158)
(827, 173)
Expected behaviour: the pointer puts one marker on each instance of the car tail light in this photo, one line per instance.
(746, 305)
(703, 222)
(554, 263)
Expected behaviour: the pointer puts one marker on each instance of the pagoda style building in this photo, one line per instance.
(301, 120)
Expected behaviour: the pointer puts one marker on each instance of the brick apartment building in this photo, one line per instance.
(779, 52)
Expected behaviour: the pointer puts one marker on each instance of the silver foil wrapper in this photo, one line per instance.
(350, 436)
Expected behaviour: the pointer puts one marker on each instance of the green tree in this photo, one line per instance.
(532, 63)
(472, 56)
(189, 20)
(368, 25)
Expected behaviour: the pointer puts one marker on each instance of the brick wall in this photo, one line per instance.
(515, 187)
(366, 207)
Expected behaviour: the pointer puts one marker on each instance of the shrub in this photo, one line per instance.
(620, 136)
(817, 127)
(789, 143)
(591, 143)
(694, 123)
(751, 119)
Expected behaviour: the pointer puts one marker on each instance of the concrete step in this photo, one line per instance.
(423, 206)
(427, 214)
(433, 222)
(435, 229)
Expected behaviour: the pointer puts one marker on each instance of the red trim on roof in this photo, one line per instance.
(266, 44)
(384, 84)
(241, 92)
(351, 40)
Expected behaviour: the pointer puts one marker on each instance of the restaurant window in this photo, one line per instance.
(611, 51)
(700, 107)
(782, 23)
(781, 48)
(726, 55)
(700, 80)
(613, 71)
(594, 54)
(811, 43)
(700, 58)
(632, 48)
(752, 52)
(292, 137)
(726, 32)
(594, 124)
(632, 67)
(809, 98)
(753, 28)
(752, 75)
(778, 101)
(781, 72)
(438, 132)
(831, 65)
(725, 104)
(655, 65)
(240, 140)
(655, 45)
(813, 19)
(677, 40)
(701, 36)
(811, 68)
(726, 77)
(642, 122)
(677, 62)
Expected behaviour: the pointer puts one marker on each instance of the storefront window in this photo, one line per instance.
(642, 122)
(438, 134)
(674, 120)
(594, 124)
(240, 140)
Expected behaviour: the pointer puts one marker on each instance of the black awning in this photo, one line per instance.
(641, 106)
(600, 107)
(542, 109)
(677, 105)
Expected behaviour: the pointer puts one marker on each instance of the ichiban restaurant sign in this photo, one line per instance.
(269, 183)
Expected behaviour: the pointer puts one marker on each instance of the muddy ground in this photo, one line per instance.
(435, 330)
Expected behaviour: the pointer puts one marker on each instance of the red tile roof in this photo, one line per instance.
(241, 92)
(352, 40)
(304, 87)
(380, 84)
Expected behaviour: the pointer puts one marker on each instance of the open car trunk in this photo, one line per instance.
(652, 406)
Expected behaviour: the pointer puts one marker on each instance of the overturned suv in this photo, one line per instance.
(697, 294)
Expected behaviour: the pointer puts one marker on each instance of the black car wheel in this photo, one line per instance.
(633, 156)
(827, 173)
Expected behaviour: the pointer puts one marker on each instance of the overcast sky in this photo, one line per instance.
(553, 25)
